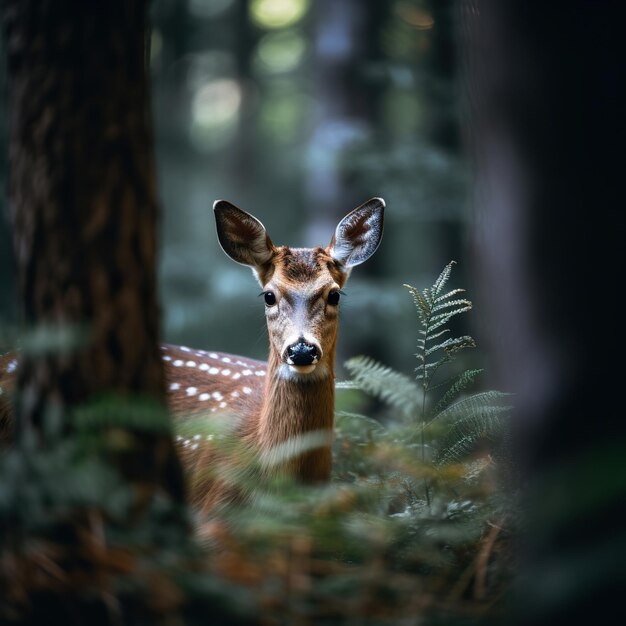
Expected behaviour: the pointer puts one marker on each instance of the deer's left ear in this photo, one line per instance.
(358, 234)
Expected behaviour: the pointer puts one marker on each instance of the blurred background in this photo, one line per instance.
(298, 111)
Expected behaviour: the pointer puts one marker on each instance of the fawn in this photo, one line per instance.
(268, 405)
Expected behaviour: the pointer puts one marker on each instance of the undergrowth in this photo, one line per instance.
(412, 528)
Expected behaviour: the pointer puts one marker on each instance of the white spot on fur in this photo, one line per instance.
(236, 376)
(225, 372)
(179, 437)
(260, 373)
(177, 363)
(213, 355)
(247, 390)
(191, 363)
(185, 349)
(217, 395)
(166, 357)
(226, 359)
(197, 437)
(235, 394)
(192, 391)
(174, 386)
(214, 370)
(12, 366)
(209, 437)
(223, 405)
(195, 446)
(203, 397)
(247, 372)
(203, 366)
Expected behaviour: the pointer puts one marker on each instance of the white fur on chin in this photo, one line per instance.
(303, 373)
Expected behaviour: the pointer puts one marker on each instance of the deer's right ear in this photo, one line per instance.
(242, 237)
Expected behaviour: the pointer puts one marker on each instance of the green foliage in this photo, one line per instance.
(398, 390)
(411, 529)
(431, 455)
(448, 430)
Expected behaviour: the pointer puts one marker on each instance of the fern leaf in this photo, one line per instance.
(451, 303)
(443, 278)
(447, 317)
(422, 305)
(445, 296)
(430, 337)
(346, 384)
(469, 429)
(474, 404)
(382, 382)
(426, 373)
(457, 343)
(456, 452)
(467, 305)
(461, 383)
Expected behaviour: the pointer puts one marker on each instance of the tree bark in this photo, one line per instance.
(84, 210)
(545, 91)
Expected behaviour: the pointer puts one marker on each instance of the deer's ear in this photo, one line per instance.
(242, 236)
(358, 234)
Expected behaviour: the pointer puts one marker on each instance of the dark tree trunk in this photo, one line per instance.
(545, 87)
(84, 210)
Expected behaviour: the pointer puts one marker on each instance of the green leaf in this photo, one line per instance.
(462, 382)
(451, 293)
(384, 383)
(473, 405)
(452, 303)
(447, 316)
(421, 303)
(443, 278)
(458, 343)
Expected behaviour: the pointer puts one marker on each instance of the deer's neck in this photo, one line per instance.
(295, 424)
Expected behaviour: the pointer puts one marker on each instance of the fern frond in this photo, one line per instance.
(421, 303)
(443, 278)
(346, 384)
(445, 296)
(429, 337)
(474, 405)
(386, 384)
(468, 430)
(446, 317)
(462, 382)
(420, 368)
(454, 343)
(466, 306)
(458, 451)
(451, 303)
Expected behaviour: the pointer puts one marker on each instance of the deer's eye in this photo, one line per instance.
(270, 298)
(333, 298)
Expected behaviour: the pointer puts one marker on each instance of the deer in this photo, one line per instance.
(266, 405)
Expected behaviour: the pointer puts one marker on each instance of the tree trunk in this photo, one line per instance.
(90, 378)
(546, 103)
(84, 210)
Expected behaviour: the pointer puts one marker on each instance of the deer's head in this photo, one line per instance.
(301, 286)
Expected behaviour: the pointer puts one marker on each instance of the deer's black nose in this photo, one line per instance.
(302, 353)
